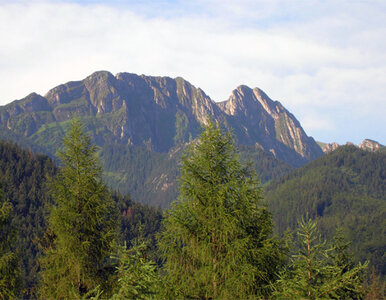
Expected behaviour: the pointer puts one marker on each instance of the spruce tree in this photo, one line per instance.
(216, 240)
(9, 262)
(317, 272)
(343, 265)
(82, 223)
(136, 274)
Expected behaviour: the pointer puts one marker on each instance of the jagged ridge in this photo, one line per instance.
(158, 113)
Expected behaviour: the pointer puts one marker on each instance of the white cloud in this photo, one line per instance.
(320, 59)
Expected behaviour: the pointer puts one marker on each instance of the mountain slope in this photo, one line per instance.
(147, 121)
(344, 188)
(23, 177)
(157, 112)
(255, 117)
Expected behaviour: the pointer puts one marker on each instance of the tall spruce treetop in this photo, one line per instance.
(216, 240)
(83, 222)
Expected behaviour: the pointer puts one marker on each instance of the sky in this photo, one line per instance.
(325, 61)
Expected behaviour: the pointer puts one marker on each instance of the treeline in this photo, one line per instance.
(216, 241)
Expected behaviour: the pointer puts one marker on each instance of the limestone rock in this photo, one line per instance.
(158, 113)
(370, 145)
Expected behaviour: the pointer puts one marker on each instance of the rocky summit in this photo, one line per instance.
(366, 144)
(371, 145)
(158, 113)
(142, 124)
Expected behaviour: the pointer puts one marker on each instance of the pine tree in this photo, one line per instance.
(82, 223)
(216, 242)
(315, 273)
(9, 262)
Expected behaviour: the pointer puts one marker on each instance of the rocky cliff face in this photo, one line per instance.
(258, 119)
(370, 145)
(158, 113)
(367, 144)
(330, 147)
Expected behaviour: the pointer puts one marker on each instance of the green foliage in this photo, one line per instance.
(216, 239)
(23, 176)
(320, 273)
(182, 129)
(345, 188)
(265, 164)
(150, 177)
(138, 221)
(83, 222)
(9, 261)
(137, 276)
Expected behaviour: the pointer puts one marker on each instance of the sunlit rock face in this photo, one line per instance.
(330, 147)
(370, 145)
(158, 113)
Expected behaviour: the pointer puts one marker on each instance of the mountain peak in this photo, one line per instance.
(242, 89)
(256, 117)
(160, 113)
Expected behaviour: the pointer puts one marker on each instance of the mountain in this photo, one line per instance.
(343, 188)
(160, 113)
(128, 112)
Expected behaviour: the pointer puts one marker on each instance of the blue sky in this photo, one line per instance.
(325, 61)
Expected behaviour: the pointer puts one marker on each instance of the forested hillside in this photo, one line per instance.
(152, 178)
(23, 180)
(23, 177)
(344, 188)
(219, 231)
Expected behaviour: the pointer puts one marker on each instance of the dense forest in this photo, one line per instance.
(152, 177)
(345, 188)
(72, 237)
(23, 178)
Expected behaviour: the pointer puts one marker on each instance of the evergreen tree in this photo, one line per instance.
(216, 239)
(137, 276)
(9, 263)
(343, 265)
(315, 273)
(82, 223)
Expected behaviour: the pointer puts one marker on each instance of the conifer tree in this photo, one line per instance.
(137, 275)
(9, 262)
(343, 264)
(82, 222)
(316, 273)
(216, 242)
